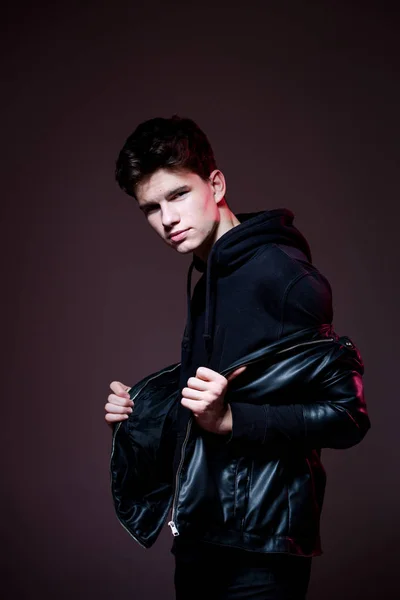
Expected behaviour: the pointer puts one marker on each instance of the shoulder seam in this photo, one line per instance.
(285, 295)
(291, 257)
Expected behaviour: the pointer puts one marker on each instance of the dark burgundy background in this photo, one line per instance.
(301, 103)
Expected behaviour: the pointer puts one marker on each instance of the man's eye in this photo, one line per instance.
(151, 208)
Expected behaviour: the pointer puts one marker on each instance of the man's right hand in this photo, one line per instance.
(119, 404)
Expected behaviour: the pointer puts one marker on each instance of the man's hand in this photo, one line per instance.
(204, 396)
(119, 404)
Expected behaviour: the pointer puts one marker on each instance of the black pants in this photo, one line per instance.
(257, 577)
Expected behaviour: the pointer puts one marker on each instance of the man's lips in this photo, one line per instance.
(177, 234)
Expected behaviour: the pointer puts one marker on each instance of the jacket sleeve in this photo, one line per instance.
(333, 414)
(336, 417)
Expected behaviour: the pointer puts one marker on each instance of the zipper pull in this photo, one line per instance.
(174, 530)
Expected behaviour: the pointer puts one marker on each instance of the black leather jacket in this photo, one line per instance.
(263, 496)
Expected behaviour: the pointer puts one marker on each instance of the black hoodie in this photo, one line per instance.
(258, 285)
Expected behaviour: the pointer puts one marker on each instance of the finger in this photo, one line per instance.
(236, 372)
(120, 389)
(194, 405)
(113, 399)
(192, 394)
(111, 418)
(122, 410)
(208, 374)
(197, 384)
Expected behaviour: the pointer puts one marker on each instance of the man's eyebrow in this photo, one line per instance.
(170, 194)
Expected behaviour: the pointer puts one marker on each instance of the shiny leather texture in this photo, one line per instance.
(263, 495)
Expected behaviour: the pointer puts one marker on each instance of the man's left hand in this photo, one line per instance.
(204, 396)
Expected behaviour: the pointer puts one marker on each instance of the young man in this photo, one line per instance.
(228, 441)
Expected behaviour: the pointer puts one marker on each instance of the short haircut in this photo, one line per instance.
(163, 143)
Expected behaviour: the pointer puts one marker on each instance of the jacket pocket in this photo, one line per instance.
(266, 507)
(242, 489)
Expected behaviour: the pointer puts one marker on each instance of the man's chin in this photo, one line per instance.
(182, 249)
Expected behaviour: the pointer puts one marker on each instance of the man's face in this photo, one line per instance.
(179, 200)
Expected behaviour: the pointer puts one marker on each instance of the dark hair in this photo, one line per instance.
(159, 143)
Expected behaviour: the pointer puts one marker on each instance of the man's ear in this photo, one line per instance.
(218, 183)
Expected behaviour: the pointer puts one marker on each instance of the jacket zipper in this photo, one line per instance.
(306, 344)
(171, 523)
(249, 362)
(113, 448)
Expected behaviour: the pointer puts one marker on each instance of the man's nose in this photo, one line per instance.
(169, 217)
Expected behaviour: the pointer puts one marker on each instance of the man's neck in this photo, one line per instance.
(228, 221)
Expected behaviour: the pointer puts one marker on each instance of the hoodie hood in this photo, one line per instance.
(236, 247)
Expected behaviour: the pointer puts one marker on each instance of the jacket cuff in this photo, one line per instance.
(249, 423)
